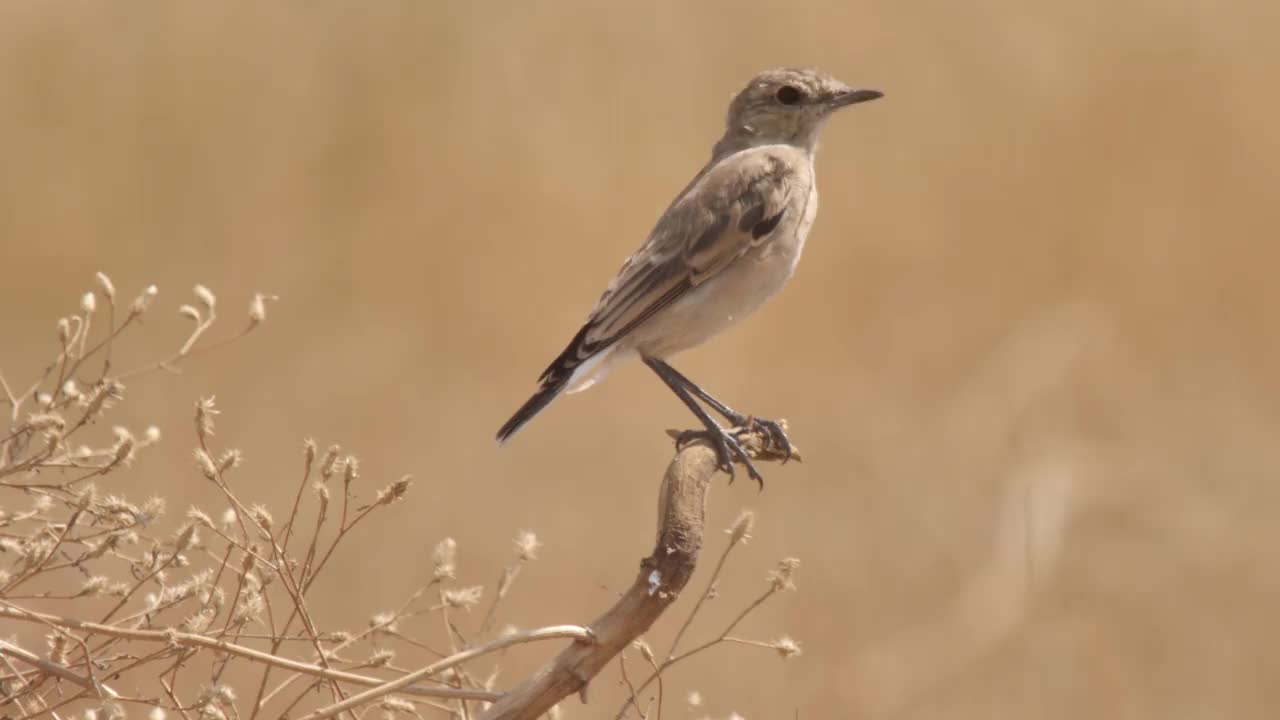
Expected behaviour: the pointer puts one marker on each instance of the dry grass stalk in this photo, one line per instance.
(179, 619)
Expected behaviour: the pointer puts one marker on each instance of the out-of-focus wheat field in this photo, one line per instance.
(1032, 356)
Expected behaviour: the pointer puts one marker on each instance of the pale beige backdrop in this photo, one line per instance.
(1031, 355)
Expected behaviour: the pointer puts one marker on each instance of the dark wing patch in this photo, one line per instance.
(766, 226)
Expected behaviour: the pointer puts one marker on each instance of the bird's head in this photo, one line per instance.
(787, 105)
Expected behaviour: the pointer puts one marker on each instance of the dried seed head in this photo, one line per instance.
(527, 545)
(329, 461)
(322, 492)
(781, 578)
(258, 307)
(261, 515)
(786, 647)
(123, 450)
(646, 652)
(351, 469)
(205, 463)
(230, 460)
(212, 712)
(443, 560)
(186, 537)
(740, 530)
(94, 585)
(463, 598)
(197, 515)
(57, 647)
(250, 608)
(46, 421)
(393, 492)
(64, 330)
(157, 713)
(86, 497)
(152, 435)
(383, 622)
(143, 301)
(199, 622)
(382, 657)
(229, 520)
(309, 452)
(694, 699)
(104, 284)
(191, 313)
(88, 303)
(205, 411)
(71, 390)
(102, 397)
(151, 509)
(206, 296)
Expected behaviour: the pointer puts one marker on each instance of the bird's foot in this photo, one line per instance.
(775, 434)
(727, 448)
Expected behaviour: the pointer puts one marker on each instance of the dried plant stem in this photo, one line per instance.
(578, 633)
(656, 675)
(403, 611)
(190, 640)
(9, 649)
(706, 593)
(7, 590)
(179, 621)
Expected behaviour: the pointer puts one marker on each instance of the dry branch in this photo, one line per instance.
(682, 505)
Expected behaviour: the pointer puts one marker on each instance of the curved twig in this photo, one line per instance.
(682, 504)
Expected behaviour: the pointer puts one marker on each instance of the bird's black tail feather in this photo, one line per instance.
(532, 406)
(553, 380)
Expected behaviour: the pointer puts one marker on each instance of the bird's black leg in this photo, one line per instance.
(776, 434)
(727, 446)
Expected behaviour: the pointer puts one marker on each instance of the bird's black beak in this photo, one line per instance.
(852, 97)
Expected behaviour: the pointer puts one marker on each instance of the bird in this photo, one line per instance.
(727, 243)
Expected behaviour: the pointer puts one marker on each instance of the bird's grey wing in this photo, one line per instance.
(732, 208)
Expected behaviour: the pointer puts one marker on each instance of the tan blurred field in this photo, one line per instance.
(1031, 356)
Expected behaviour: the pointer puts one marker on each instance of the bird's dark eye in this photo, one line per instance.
(789, 94)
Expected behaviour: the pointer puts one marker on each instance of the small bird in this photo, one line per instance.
(728, 242)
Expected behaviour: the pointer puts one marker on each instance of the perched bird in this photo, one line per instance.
(729, 241)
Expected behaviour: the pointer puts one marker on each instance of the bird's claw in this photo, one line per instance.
(777, 435)
(727, 450)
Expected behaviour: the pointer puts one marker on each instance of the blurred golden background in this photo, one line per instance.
(1030, 356)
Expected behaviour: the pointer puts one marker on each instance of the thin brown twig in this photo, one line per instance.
(575, 632)
(52, 668)
(192, 640)
(722, 637)
(702, 598)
